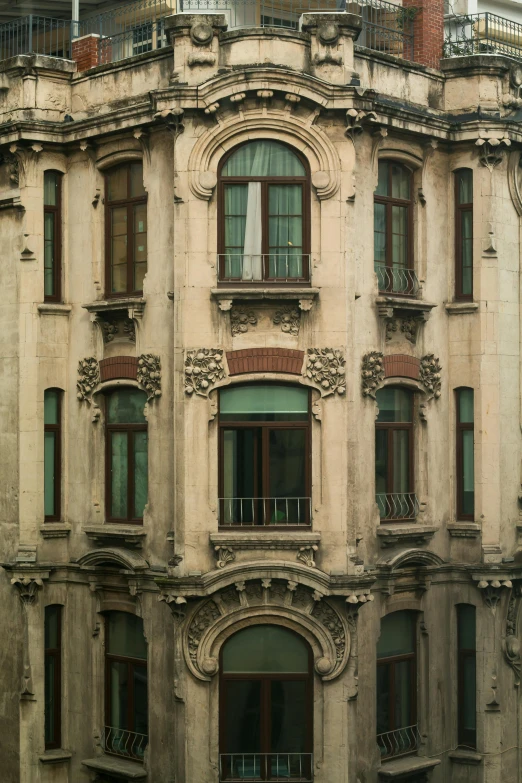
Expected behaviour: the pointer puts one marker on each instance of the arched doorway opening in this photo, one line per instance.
(266, 706)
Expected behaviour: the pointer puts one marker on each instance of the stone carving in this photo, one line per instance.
(512, 646)
(492, 591)
(12, 163)
(129, 329)
(201, 33)
(109, 330)
(28, 587)
(203, 368)
(355, 121)
(201, 58)
(408, 326)
(149, 374)
(328, 33)
(306, 555)
(225, 554)
(230, 598)
(289, 318)
(326, 367)
(204, 617)
(331, 620)
(430, 374)
(88, 378)
(372, 372)
(240, 319)
(492, 151)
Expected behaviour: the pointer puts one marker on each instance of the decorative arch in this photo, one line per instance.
(116, 158)
(420, 557)
(121, 558)
(401, 156)
(307, 139)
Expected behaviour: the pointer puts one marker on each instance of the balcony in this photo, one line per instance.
(397, 280)
(399, 742)
(123, 743)
(482, 34)
(256, 512)
(397, 506)
(270, 268)
(297, 767)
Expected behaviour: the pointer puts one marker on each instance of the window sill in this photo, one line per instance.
(225, 297)
(135, 305)
(464, 529)
(55, 530)
(110, 534)
(468, 757)
(402, 534)
(118, 768)
(459, 308)
(238, 539)
(55, 756)
(405, 767)
(54, 308)
(389, 306)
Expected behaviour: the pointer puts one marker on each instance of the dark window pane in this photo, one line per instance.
(401, 462)
(243, 717)
(466, 615)
(381, 461)
(465, 186)
(399, 238)
(126, 635)
(49, 473)
(265, 648)
(403, 686)
(287, 471)
(52, 625)
(396, 635)
(379, 233)
(117, 183)
(49, 252)
(50, 706)
(136, 180)
(382, 184)
(140, 473)
(51, 186)
(400, 181)
(51, 406)
(469, 691)
(288, 719)
(468, 473)
(119, 474)
(140, 700)
(126, 407)
(383, 698)
(119, 690)
(241, 468)
(395, 405)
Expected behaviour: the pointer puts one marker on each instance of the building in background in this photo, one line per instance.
(261, 394)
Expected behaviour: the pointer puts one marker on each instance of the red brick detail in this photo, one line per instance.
(88, 51)
(119, 367)
(265, 360)
(428, 31)
(402, 366)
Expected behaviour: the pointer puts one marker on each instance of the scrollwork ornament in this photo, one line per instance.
(326, 367)
(372, 373)
(306, 555)
(225, 555)
(88, 378)
(203, 368)
(331, 620)
(430, 375)
(149, 374)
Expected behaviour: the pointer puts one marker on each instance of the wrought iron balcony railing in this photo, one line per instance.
(265, 268)
(265, 511)
(397, 506)
(120, 742)
(399, 742)
(296, 767)
(482, 34)
(397, 280)
(36, 34)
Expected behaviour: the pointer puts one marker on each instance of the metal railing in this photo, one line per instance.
(386, 27)
(482, 34)
(35, 35)
(120, 742)
(397, 280)
(397, 506)
(399, 742)
(297, 767)
(269, 267)
(265, 511)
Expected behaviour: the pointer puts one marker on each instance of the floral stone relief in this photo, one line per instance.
(430, 374)
(203, 368)
(88, 378)
(289, 318)
(149, 374)
(240, 320)
(326, 367)
(372, 372)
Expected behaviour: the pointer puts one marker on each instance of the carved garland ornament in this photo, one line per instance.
(240, 319)
(291, 602)
(326, 367)
(203, 368)
(149, 374)
(512, 646)
(289, 318)
(430, 375)
(88, 378)
(372, 372)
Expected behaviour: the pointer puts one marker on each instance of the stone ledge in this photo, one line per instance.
(464, 529)
(291, 540)
(54, 308)
(468, 757)
(55, 756)
(225, 297)
(134, 303)
(390, 306)
(121, 769)
(461, 308)
(55, 530)
(129, 535)
(406, 767)
(402, 534)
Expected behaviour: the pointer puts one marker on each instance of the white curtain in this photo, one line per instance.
(252, 258)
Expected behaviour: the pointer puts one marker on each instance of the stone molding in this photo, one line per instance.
(326, 367)
(492, 150)
(227, 297)
(414, 534)
(28, 587)
(203, 368)
(109, 535)
(265, 360)
(265, 541)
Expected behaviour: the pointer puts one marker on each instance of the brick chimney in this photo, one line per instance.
(428, 31)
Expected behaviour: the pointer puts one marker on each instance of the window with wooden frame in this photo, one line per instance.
(394, 454)
(52, 454)
(397, 732)
(464, 234)
(393, 230)
(125, 230)
(52, 236)
(126, 699)
(467, 675)
(127, 456)
(53, 676)
(264, 455)
(465, 457)
(264, 215)
(266, 705)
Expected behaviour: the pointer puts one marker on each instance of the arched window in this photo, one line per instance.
(464, 234)
(127, 459)
(393, 230)
(52, 454)
(394, 482)
(264, 202)
(264, 455)
(465, 458)
(125, 230)
(266, 706)
(53, 675)
(467, 675)
(52, 236)
(397, 731)
(126, 708)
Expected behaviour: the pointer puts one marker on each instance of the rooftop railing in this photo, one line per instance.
(296, 767)
(482, 34)
(399, 742)
(397, 506)
(35, 34)
(265, 511)
(128, 744)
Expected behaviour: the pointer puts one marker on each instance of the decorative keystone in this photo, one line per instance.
(372, 373)
(88, 378)
(326, 367)
(203, 368)
(149, 374)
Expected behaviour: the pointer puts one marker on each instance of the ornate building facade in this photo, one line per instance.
(261, 405)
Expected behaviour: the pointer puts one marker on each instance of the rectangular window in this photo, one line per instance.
(127, 456)
(465, 455)
(52, 236)
(52, 454)
(52, 675)
(467, 676)
(464, 234)
(126, 230)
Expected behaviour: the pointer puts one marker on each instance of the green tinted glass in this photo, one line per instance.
(382, 183)
(395, 405)
(265, 648)
(397, 635)
(263, 158)
(125, 406)
(466, 621)
(119, 474)
(264, 402)
(51, 406)
(52, 625)
(49, 477)
(140, 473)
(126, 635)
(51, 186)
(466, 406)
